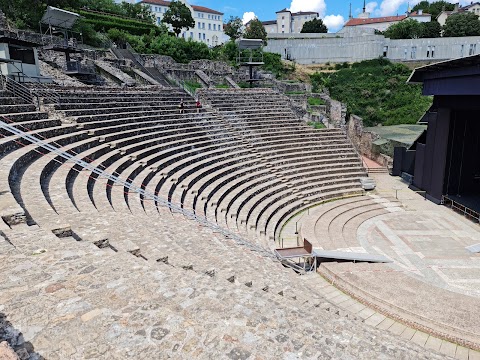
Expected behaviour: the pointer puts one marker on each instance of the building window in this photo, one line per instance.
(433, 51)
(214, 27)
(413, 54)
(203, 36)
(385, 51)
(209, 26)
(25, 55)
(283, 26)
(473, 49)
(191, 35)
(405, 51)
(283, 17)
(461, 50)
(199, 36)
(428, 51)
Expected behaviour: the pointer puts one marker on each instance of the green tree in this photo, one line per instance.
(431, 29)
(137, 11)
(255, 30)
(234, 28)
(314, 26)
(462, 24)
(406, 29)
(179, 16)
(434, 8)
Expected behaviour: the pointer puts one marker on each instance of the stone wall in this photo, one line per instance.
(365, 45)
(337, 113)
(364, 141)
(285, 87)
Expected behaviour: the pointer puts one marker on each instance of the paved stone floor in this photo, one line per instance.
(426, 241)
(433, 282)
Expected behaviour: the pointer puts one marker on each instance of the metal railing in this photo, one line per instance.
(20, 90)
(30, 95)
(145, 194)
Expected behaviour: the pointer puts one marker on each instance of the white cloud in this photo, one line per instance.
(371, 6)
(334, 22)
(309, 5)
(390, 7)
(248, 16)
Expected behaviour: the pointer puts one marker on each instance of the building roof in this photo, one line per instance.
(378, 20)
(466, 7)
(298, 13)
(450, 78)
(305, 13)
(194, 7)
(420, 74)
(269, 22)
(6, 39)
(415, 13)
(206, 10)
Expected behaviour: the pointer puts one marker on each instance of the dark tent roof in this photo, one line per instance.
(420, 74)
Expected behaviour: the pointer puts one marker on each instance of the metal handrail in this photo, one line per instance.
(40, 90)
(19, 90)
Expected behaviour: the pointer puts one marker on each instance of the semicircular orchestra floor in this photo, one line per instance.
(433, 281)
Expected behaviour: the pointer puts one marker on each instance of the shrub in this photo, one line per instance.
(316, 125)
(376, 90)
(315, 101)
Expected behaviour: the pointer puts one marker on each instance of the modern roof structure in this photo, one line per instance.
(385, 19)
(249, 43)
(469, 65)
(195, 7)
(58, 17)
(4, 39)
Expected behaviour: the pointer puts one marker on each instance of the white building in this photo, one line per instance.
(420, 16)
(208, 23)
(473, 8)
(288, 22)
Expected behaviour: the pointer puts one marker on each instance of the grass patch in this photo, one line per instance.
(295, 93)
(192, 85)
(222, 86)
(316, 101)
(316, 125)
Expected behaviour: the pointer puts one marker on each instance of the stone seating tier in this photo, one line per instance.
(134, 236)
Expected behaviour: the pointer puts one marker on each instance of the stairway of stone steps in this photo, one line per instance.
(79, 286)
(133, 276)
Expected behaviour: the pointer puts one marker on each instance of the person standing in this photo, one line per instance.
(198, 105)
(181, 106)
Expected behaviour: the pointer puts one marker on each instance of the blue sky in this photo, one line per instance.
(334, 12)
